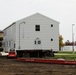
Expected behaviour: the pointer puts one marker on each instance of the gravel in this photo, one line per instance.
(12, 67)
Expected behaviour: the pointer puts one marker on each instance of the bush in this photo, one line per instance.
(1, 38)
(0, 44)
(1, 49)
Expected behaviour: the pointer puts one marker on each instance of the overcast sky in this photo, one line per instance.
(63, 11)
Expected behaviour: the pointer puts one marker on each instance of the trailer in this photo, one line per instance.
(48, 61)
(33, 36)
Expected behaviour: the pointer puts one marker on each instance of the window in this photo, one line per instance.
(39, 42)
(35, 42)
(51, 39)
(4, 44)
(51, 25)
(14, 45)
(9, 43)
(37, 27)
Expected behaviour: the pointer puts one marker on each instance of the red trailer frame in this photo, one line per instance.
(51, 61)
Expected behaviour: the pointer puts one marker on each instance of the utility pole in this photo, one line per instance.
(72, 39)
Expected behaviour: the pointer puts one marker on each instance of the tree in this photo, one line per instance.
(61, 44)
(0, 44)
(1, 38)
(1, 41)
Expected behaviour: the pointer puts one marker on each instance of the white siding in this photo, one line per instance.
(25, 33)
(68, 48)
(28, 33)
(9, 37)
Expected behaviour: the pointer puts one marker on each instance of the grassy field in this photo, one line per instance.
(66, 55)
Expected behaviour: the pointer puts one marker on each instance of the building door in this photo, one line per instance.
(38, 44)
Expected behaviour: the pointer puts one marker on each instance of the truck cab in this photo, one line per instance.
(12, 53)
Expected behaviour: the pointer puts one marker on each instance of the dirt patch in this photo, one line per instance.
(11, 67)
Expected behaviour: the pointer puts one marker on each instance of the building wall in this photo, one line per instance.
(68, 48)
(28, 33)
(24, 34)
(1, 34)
(9, 37)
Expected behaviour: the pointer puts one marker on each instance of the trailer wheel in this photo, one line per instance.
(19, 53)
(51, 53)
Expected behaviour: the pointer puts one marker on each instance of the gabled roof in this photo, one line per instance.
(46, 17)
(31, 16)
(1, 31)
(39, 15)
(10, 25)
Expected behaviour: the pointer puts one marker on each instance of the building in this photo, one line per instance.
(33, 33)
(1, 40)
(69, 46)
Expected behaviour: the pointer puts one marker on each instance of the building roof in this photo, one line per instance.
(29, 17)
(9, 25)
(1, 31)
(39, 15)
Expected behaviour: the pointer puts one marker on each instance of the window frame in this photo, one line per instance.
(37, 27)
(35, 42)
(39, 42)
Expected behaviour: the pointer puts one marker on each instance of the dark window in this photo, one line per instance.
(4, 44)
(9, 43)
(35, 42)
(39, 42)
(51, 25)
(14, 46)
(37, 27)
(51, 39)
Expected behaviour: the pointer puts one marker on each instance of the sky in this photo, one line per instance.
(63, 11)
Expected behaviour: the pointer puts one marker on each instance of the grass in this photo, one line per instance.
(66, 55)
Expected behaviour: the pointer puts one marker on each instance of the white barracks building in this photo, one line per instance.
(36, 32)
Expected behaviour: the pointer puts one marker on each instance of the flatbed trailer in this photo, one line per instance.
(50, 61)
